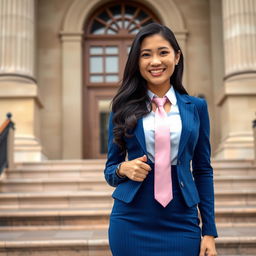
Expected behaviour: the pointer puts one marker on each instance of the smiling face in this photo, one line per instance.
(157, 63)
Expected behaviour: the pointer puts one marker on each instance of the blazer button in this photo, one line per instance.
(182, 184)
(178, 162)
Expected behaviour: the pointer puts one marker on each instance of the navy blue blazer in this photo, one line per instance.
(196, 185)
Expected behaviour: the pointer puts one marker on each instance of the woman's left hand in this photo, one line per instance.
(208, 246)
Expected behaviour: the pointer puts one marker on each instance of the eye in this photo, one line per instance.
(164, 52)
(144, 55)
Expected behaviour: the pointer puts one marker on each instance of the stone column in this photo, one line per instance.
(72, 95)
(18, 86)
(17, 38)
(238, 97)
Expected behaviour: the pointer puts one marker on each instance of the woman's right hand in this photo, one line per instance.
(135, 169)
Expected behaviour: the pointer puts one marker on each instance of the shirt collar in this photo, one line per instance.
(170, 95)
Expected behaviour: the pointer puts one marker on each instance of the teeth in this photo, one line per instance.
(156, 71)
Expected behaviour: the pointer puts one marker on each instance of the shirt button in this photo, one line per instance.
(182, 184)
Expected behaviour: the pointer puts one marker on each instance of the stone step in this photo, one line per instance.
(231, 242)
(30, 185)
(97, 169)
(52, 227)
(235, 182)
(236, 241)
(238, 171)
(87, 164)
(105, 225)
(57, 216)
(90, 216)
(234, 162)
(235, 214)
(24, 173)
(75, 199)
(95, 183)
(61, 242)
(103, 198)
(235, 197)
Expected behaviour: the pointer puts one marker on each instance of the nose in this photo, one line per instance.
(155, 61)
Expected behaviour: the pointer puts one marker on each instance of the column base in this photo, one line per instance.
(28, 149)
(236, 146)
(20, 96)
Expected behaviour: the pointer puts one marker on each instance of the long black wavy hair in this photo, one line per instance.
(130, 102)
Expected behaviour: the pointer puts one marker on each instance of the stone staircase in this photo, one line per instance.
(63, 207)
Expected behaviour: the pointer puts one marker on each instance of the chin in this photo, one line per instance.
(157, 83)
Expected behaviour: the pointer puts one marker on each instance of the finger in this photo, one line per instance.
(142, 172)
(143, 158)
(202, 251)
(138, 177)
(145, 166)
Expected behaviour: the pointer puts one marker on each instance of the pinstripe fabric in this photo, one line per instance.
(145, 228)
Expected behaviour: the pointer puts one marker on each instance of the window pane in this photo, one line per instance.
(96, 50)
(104, 105)
(129, 11)
(96, 79)
(112, 64)
(111, 50)
(104, 16)
(96, 64)
(120, 23)
(116, 11)
(142, 15)
(104, 132)
(135, 31)
(104, 109)
(111, 78)
(111, 32)
(126, 23)
(97, 28)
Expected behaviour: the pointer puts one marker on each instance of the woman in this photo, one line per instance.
(149, 218)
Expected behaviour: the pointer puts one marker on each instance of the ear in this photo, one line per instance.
(177, 57)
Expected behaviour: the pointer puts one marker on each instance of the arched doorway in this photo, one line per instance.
(108, 34)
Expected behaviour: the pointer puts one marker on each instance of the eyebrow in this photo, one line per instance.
(159, 48)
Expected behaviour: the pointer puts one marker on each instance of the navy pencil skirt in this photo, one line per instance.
(145, 228)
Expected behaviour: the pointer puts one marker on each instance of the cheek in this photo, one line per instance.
(142, 67)
(171, 67)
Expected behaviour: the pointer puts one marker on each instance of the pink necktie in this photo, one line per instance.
(163, 178)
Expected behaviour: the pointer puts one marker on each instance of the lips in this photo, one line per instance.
(157, 72)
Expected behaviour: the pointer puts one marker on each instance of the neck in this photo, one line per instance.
(159, 91)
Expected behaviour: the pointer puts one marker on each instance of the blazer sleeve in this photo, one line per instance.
(203, 173)
(114, 157)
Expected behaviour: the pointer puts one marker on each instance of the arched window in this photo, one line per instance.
(118, 19)
(108, 35)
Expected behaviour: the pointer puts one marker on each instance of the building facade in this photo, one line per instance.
(61, 62)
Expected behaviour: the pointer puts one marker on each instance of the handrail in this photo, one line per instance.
(6, 143)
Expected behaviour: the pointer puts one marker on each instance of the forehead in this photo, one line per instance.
(154, 41)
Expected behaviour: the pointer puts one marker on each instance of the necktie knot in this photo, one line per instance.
(159, 101)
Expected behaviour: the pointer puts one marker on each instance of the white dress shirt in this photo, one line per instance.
(174, 121)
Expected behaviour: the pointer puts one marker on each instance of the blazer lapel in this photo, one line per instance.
(140, 135)
(186, 110)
